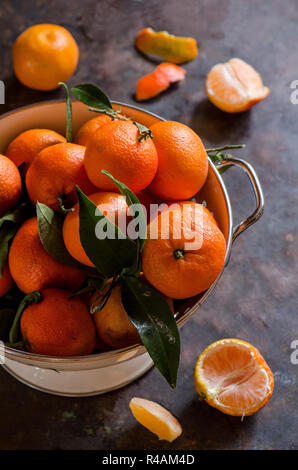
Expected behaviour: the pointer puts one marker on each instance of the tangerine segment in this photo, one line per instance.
(159, 80)
(235, 86)
(155, 418)
(172, 48)
(233, 377)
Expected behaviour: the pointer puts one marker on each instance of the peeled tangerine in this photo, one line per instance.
(171, 48)
(232, 376)
(235, 86)
(155, 418)
(159, 80)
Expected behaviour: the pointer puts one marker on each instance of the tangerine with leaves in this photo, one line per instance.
(111, 204)
(32, 268)
(182, 161)
(29, 143)
(10, 184)
(59, 325)
(55, 172)
(44, 55)
(112, 322)
(119, 148)
(232, 376)
(184, 252)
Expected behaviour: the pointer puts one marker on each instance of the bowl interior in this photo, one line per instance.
(51, 115)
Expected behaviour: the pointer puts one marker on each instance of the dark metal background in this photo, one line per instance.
(256, 299)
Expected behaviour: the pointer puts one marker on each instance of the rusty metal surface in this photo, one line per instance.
(256, 299)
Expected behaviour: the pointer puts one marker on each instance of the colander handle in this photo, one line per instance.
(258, 192)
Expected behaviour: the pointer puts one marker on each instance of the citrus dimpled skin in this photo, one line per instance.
(232, 376)
(29, 143)
(55, 171)
(32, 268)
(186, 259)
(44, 55)
(115, 148)
(112, 205)
(58, 325)
(10, 184)
(182, 161)
(87, 130)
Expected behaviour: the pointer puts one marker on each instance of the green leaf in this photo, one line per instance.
(6, 235)
(111, 253)
(152, 316)
(9, 225)
(6, 319)
(92, 95)
(50, 225)
(33, 297)
(68, 112)
(132, 199)
(145, 133)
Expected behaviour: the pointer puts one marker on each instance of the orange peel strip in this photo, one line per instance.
(159, 80)
(171, 48)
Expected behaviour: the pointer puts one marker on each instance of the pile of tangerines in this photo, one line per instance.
(171, 166)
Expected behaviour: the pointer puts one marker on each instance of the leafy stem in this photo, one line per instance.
(216, 154)
(226, 147)
(112, 114)
(98, 102)
(104, 295)
(68, 112)
(33, 297)
(61, 198)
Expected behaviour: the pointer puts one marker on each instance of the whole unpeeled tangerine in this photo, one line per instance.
(115, 147)
(44, 55)
(182, 161)
(59, 325)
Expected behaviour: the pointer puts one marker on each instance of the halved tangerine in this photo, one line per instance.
(235, 86)
(232, 376)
